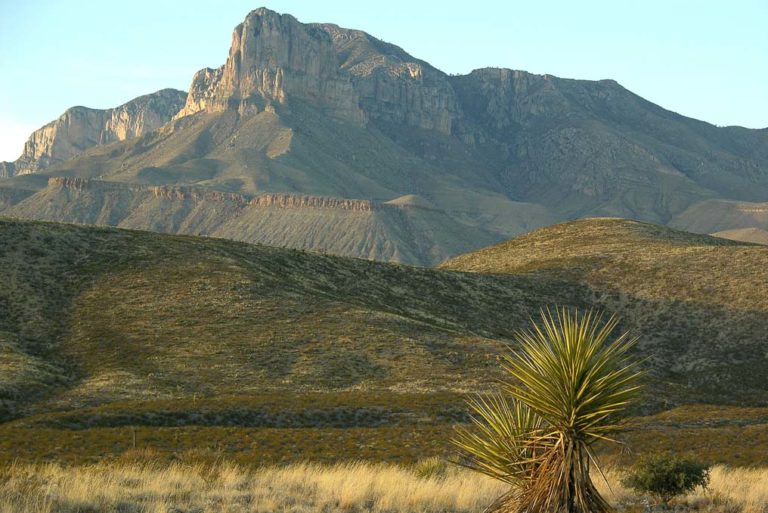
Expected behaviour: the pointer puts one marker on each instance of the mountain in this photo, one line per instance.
(80, 128)
(325, 115)
(202, 343)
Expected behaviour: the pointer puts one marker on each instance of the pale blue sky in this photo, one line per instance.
(704, 59)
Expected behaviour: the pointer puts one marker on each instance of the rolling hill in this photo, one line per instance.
(320, 111)
(193, 340)
(754, 235)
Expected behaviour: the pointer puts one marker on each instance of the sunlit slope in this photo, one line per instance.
(93, 315)
(200, 174)
(699, 303)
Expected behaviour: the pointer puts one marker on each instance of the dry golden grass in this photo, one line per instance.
(731, 490)
(309, 488)
(299, 488)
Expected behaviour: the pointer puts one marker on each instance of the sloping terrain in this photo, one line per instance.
(92, 315)
(208, 339)
(677, 289)
(96, 315)
(719, 215)
(323, 111)
(458, 218)
(754, 235)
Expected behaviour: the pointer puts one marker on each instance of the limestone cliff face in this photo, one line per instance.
(498, 150)
(392, 85)
(202, 93)
(273, 58)
(349, 74)
(80, 128)
(499, 99)
(201, 194)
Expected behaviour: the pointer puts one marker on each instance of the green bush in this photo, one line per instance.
(665, 477)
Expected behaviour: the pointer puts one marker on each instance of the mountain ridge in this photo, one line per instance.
(317, 109)
(80, 128)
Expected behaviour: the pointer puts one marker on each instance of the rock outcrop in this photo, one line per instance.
(347, 73)
(274, 57)
(360, 228)
(201, 194)
(392, 85)
(7, 169)
(80, 128)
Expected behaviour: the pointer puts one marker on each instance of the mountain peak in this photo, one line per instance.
(274, 57)
(455, 161)
(348, 74)
(265, 11)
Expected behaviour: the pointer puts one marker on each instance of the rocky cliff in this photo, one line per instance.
(7, 169)
(204, 195)
(392, 85)
(348, 74)
(584, 145)
(401, 231)
(274, 57)
(578, 144)
(80, 128)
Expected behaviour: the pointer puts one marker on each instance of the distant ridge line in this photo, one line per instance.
(279, 200)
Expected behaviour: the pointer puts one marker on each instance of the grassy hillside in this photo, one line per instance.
(92, 315)
(699, 302)
(224, 347)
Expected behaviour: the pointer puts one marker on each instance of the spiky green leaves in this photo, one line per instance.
(569, 384)
(500, 441)
(570, 373)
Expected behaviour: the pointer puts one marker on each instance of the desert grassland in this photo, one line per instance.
(401, 428)
(308, 487)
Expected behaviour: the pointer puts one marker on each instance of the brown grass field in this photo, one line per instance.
(313, 488)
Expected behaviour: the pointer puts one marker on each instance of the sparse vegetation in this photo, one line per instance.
(677, 289)
(434, 467)
(220, 349)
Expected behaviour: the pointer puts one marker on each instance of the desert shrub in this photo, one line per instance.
(428, 468)
(665, 477)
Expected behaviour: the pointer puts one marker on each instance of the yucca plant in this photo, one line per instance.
(570, 384)
(502, 442)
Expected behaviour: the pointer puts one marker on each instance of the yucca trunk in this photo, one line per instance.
(560, 482)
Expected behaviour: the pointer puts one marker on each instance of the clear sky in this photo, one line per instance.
(706, 59)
